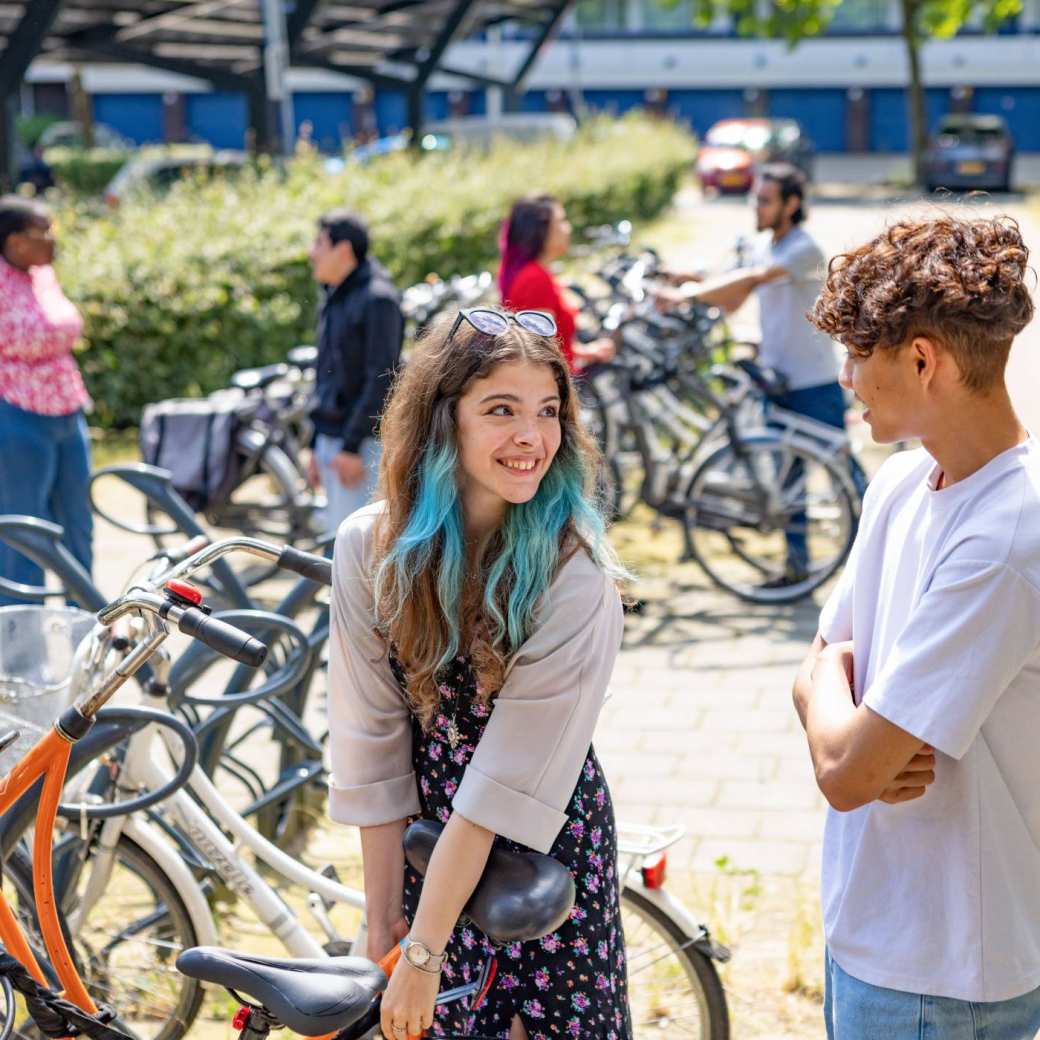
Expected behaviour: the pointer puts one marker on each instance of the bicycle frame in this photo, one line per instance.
(198, 830)
(47, 761)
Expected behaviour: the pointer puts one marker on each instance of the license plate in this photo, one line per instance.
(732, 180)
(971, 167)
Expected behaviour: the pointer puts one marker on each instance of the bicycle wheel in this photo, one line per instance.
(673, 988)
(621, 480)
(748, 504)
(126, 948)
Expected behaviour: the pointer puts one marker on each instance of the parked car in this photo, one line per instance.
(970, 151)
(399, 143)
(480, 131)
(156, 170)
(70, 135)
(734, 148)
(474, 131)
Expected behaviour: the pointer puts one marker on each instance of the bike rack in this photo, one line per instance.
(41, 541)
(157, 486)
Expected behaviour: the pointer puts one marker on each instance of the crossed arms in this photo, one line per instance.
(858, 756)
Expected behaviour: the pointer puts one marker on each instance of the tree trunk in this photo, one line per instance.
(81, 107)
(915, 89)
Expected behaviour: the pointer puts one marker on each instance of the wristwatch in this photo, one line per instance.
(420, 956)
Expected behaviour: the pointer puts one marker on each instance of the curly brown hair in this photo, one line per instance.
(961, 282)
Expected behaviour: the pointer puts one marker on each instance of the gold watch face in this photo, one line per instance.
(418, 954)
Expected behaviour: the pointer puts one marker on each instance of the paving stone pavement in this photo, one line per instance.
(699, 730)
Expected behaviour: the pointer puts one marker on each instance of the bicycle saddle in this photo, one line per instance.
(303, 356)
(520, 895)
(310, 996)
(258, 378)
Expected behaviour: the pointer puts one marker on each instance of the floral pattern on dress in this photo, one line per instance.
(571, 983)
(39, 326)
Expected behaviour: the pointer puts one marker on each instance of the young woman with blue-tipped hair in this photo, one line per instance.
(475, 622)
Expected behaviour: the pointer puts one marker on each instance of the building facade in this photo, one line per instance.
(846, 87)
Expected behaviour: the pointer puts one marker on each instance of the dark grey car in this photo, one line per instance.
(968, 152)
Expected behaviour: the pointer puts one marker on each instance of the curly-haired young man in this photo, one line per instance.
(920, 696)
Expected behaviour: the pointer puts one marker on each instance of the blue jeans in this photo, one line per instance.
(342, 501)
(826, 404)
(855, 1010)
(44, 472)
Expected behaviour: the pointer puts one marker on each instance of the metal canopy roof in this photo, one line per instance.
(388, 42)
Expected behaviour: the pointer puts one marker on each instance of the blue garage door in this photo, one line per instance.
(219, 119)
(136, 116)
(1020, 106)
(438, 105)
(821, 114)
(328, 113)
(703, 108)
(534, 101)
(889, 119)
(391, 110)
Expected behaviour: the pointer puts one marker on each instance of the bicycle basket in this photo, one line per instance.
(37, 646)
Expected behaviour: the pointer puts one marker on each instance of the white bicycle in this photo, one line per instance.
(136, 888)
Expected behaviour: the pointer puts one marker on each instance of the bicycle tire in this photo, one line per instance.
(652, 985)
(718, 511)
(121, 982)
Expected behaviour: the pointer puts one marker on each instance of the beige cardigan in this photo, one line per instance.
(526, 765)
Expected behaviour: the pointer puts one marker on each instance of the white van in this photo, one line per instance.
(517, 126)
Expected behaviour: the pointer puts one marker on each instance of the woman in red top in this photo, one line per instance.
(44, 450)
(537, 233)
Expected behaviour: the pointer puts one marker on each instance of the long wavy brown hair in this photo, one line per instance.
(432, 601)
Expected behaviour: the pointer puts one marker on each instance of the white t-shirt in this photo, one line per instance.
(805, 356)
(941, 597)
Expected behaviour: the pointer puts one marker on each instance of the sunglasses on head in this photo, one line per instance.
(494, 323)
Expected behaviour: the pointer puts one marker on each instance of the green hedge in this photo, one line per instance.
(178, 292)
(85, 170)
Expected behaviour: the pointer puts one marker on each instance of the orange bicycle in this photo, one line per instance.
(96, 669)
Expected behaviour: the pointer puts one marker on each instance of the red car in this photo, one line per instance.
(733, 148)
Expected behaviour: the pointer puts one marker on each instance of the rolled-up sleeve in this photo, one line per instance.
(525, 767)
(370, 737)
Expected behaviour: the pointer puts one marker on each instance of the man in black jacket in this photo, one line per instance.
(360, 328)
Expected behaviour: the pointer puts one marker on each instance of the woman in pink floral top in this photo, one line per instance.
(44, 449)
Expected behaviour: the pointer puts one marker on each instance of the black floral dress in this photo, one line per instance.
(570, 983)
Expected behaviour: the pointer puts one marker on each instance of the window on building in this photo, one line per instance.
(860, 16)
(600, 14)
(669, 14)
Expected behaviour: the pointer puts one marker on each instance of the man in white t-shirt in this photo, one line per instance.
(920, 696)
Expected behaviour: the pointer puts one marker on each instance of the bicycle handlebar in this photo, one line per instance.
(308, 565)
(218, 635)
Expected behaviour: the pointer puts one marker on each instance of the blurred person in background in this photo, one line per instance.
(536, 234)
(360, 330)
(44, 444)
(786, 270)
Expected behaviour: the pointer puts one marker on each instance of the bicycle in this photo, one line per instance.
(737, 483)
(666, 945)
(101, 664)
(279, 802)
(520, 897)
